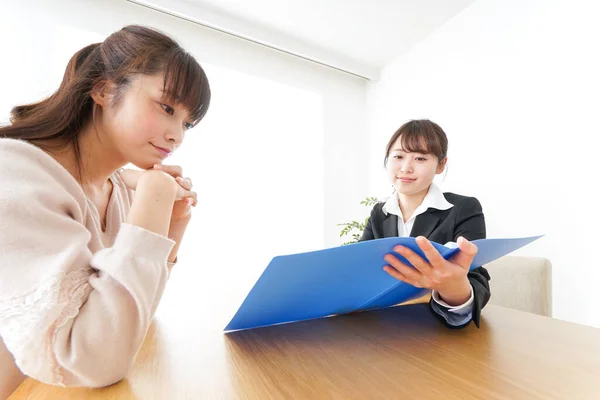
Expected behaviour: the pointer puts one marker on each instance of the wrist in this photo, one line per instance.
(152, 204)
(457, 294)
(158, 181)
(172, 258)
(177, 229)
(180, 223)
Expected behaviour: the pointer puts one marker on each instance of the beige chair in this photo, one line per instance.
(522, 283)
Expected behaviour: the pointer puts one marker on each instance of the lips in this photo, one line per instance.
(407, 180)
(164, 151)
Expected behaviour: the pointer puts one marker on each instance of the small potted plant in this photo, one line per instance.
(353, 230)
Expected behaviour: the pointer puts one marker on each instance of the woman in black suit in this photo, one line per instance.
(418, 208)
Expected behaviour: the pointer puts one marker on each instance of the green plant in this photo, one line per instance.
(354, 229)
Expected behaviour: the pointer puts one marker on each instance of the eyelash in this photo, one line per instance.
(170, 110)
(418, 158)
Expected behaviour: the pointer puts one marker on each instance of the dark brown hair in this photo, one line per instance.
(420, 136)
(126, 53)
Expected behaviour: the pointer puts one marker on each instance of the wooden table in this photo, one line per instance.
(397, 353)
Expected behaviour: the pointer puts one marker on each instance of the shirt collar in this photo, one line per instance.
(433, 199)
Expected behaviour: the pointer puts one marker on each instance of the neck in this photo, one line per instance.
(98, 158)
(409, 203)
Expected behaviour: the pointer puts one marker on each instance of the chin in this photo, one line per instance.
(409, 192)
(145, 164)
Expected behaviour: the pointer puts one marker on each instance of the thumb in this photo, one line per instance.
(467, 252)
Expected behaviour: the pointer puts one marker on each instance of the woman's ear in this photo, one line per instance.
(100, 94)
(442, 165)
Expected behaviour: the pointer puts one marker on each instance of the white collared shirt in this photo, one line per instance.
(433, 199)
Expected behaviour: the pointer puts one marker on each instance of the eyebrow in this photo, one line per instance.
(404, 151)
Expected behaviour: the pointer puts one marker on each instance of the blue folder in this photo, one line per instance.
(342, 280)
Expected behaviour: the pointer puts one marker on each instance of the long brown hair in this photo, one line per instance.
(420, 136)
(126, 53)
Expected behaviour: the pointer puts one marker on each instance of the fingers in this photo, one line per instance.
(401, 271)
(430, 271)
(435, 258)
(415, 259)
(173, 170)
(395, 274)
(467, 252)
(191, 198)
(185, 183)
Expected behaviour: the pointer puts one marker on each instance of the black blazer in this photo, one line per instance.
(442, 226)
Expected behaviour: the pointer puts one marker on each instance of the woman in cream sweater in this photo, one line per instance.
(84, 262)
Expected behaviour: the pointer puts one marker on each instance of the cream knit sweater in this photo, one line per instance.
(75, 301)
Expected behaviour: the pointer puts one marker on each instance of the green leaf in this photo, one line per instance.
(356, 228)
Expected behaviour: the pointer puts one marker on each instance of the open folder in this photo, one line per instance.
(342, 280)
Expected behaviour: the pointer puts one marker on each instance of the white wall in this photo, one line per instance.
(514, 83)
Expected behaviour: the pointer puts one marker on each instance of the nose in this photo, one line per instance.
(406, 166)
(175, 136)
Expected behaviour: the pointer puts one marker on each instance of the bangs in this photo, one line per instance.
(187, 84)
(415, 142)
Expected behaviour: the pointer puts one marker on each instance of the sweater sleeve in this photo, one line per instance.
(70, 317)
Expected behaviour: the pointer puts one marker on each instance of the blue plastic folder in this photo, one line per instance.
(342, 280)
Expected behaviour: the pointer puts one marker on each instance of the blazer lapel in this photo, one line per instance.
(390, 226)
(424, 224)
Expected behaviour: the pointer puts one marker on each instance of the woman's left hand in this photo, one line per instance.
(447, 277)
